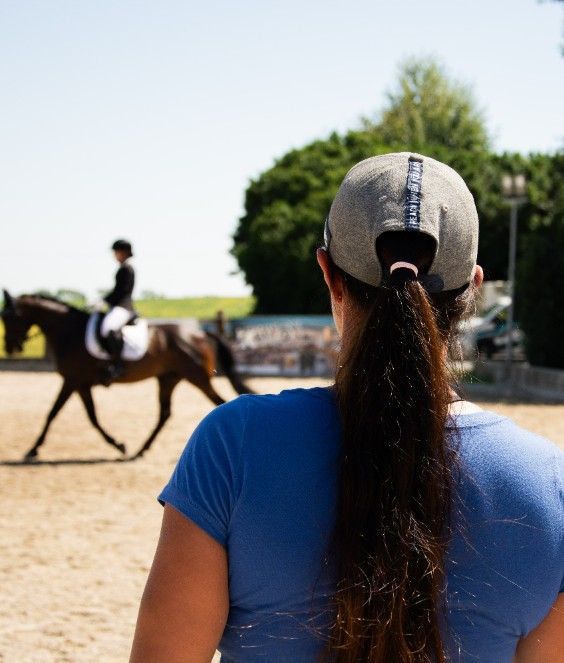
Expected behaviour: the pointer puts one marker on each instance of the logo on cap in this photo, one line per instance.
(413, 194)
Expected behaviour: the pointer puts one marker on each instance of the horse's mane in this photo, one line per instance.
(58, 304)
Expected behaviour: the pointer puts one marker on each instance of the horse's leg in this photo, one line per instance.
(198, 376)
(196, 369)
(167, 383)
(86, 395)
(62, 398)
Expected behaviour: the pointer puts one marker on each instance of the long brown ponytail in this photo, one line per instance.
(393, 392)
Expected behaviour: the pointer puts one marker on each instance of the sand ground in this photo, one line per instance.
(79, 527)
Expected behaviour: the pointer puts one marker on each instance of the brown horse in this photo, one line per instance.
(173, 354)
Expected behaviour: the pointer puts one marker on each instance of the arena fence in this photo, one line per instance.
(520, 380)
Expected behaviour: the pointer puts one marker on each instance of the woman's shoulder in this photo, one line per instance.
(322, 396)
(265, 430)
(509, 460)
(314, 401)
(495, 433)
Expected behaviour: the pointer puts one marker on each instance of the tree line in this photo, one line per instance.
(275, 240)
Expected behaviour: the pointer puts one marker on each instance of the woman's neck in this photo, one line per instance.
(462, 407)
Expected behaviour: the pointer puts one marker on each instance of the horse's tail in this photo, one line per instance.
(226, 361)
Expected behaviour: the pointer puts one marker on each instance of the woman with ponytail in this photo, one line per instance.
(384, 519)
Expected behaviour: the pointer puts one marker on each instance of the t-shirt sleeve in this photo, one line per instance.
(204, 485)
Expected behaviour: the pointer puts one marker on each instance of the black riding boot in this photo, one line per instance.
(116, 369)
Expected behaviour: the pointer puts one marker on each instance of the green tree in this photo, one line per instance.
(150, 295)
(283, 224)
(286, 206)
(71, 297)
(428, 112)
(428, 108)
(539, 296)
(493, 250)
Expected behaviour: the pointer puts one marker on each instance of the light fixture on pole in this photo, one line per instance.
(513, 189)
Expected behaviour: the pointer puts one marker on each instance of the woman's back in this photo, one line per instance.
(260, 476)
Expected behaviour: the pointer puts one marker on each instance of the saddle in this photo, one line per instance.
(135, 338)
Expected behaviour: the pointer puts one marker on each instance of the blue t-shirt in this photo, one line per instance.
(259, 475)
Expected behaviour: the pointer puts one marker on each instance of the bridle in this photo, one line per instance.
(16, 338)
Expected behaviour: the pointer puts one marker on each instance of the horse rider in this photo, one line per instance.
(121, 308)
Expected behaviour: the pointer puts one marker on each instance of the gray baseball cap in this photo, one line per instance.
(404, 192)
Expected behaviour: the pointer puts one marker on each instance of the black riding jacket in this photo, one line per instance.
(121, 294)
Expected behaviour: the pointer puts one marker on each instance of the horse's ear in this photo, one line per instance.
(8, 300)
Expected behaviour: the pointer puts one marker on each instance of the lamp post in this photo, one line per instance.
(513, 189)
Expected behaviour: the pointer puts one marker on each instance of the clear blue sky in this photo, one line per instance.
(148, 119)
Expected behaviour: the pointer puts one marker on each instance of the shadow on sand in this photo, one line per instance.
(69, 461)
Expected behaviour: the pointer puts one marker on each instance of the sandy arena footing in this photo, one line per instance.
(80, 525)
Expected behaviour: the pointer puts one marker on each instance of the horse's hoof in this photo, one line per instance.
(121, 447)
(30, 457)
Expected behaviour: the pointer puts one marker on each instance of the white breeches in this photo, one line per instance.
(114, 320)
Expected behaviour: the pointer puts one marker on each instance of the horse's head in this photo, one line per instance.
(16, 324)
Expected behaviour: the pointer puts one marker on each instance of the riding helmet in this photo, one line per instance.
(122, 245)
